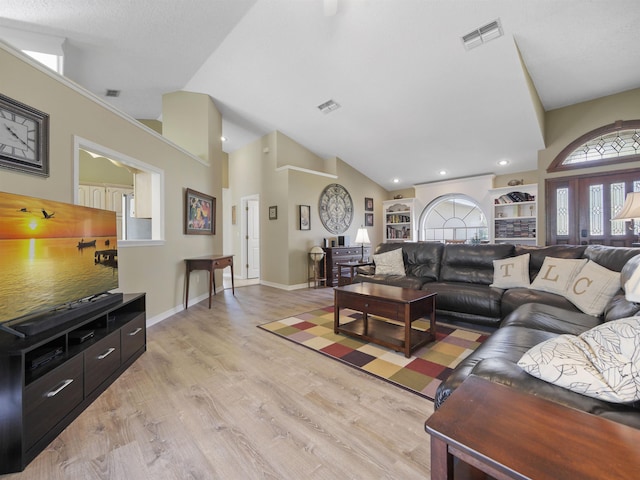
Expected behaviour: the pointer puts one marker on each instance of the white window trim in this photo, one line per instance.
(157, 195)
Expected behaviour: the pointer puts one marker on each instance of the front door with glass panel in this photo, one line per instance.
(579, 209)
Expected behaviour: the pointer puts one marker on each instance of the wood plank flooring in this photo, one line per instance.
(214, 397)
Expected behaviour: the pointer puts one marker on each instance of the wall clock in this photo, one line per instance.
(335, 208)
(24, 137)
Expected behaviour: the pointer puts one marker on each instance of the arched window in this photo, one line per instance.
(454, 218)
(615, 143)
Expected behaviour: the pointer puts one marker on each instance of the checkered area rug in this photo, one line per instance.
(421, 374)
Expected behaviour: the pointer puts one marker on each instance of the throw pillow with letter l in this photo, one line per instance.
(556, 274)
(592, 288)
(602, 363)
(389, 263)
(511, 272)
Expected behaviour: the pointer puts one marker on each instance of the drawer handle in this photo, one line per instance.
(135, 332)
(366, 305)
(106, 354)
(64, 385)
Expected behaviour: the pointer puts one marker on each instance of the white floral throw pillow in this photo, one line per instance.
(602, 363)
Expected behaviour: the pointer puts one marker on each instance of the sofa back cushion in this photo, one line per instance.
(422, 259)
(538, 254)
(613, 258)
(472, 263)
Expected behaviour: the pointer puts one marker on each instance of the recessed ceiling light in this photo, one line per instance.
(503, 163)
(396, 180)
(442, 172)
(223, 138)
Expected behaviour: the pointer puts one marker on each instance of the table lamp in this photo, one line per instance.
(630, 209)
(362, 237)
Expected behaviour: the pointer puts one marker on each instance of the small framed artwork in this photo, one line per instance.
(200, 213)
(368, 204)
(305, 217)
(273, 212)
(368, 219)
(233, 215)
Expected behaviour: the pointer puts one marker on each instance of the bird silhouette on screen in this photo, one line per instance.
(47, 215)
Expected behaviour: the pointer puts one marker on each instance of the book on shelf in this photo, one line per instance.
(514, 197)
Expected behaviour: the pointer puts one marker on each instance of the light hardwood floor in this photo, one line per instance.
(214, 397)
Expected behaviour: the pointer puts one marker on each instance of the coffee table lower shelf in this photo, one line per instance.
(385, 333)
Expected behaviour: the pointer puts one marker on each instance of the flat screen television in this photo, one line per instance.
(53, 255)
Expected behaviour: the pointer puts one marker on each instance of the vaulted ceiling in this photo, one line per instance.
(413, 100)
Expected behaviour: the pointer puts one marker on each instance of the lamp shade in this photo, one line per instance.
(631, 208)
(362, 236)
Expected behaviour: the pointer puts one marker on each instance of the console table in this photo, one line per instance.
(509, 434)
(210, 263)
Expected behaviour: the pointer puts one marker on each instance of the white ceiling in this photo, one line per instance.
(414, 101)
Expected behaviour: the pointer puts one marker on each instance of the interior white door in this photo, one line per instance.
(253, 238)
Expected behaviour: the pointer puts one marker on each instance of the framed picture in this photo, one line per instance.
(24, 138)
(368, 204)
(233, 215)
(199, 214)
(273, 212)
(368, 219)
(305, 217)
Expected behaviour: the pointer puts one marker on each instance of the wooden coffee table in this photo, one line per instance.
(507, 434)
(403, 305)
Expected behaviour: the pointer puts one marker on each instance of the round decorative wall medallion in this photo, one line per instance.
(335, 208)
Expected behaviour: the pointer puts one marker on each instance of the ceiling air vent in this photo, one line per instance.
(113, 93)
(482, 35)
(328, 106)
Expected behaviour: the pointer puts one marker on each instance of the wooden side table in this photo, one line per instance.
(351, 265)
(211, 263)
(509, 434)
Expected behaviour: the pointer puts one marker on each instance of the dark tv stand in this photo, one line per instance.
(53, 376)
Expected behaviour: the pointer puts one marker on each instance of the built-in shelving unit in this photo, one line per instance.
(515, 214)
(399, 220)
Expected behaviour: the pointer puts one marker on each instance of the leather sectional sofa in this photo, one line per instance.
(462, 274)
(522, 317)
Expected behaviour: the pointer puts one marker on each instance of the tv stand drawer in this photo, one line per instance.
(100, 361)
(51, 398)
(133, 337)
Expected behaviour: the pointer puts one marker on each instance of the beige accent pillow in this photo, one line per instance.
(389, 263)
(556, 274)
(511, 272)
(600, 363)
(592, 288)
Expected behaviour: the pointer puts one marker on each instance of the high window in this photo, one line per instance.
(453, 218)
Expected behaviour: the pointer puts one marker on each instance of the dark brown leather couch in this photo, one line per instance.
(461, 275)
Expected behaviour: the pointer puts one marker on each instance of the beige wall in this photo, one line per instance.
(157, 270)
(285, 174)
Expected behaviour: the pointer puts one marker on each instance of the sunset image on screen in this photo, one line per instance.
(26, 217)
(53, 253)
